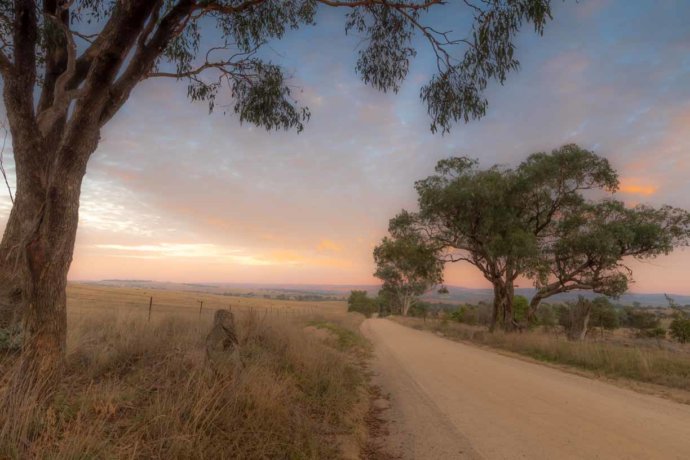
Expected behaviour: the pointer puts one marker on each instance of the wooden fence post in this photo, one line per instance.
(201, 306)
(150, 306)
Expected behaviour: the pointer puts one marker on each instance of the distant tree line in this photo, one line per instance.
(578, 319)
(297, 297)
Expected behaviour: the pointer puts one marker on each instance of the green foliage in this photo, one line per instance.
(407, 267)
(418, 310)
(360, 302)
(388, 302)
(546, 315)
(465, 314)
(642, 320)
(680, 329)
(593, 241)
(456, 92)
(657, 332)
(680, 326)
(347, 340)
(563, 316)
(646, 323)
(214, 46)
(385, 60)
(520, 308)
(603, 314)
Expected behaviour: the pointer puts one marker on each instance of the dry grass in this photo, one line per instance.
(135, 389)
(642, 363)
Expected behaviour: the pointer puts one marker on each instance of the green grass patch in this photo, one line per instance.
(346, 339)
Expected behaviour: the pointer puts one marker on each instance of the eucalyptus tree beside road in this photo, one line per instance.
(535, 222)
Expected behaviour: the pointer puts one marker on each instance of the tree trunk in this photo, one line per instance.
(497, 312)
(509, 324)
(502, 315)
(579, 319)
(10, 281)
(37, 250)
(29, 202)
(533, 307)
(406, 304)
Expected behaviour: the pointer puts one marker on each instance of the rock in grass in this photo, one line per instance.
(221, 342)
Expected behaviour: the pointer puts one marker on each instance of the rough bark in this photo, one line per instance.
(579, 319)
(533, 307)
(406, 304)
(502, 316)
(10, 282)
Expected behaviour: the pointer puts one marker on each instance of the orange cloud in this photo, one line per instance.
(328, 245)
(635, 187)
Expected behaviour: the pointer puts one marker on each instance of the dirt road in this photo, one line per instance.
(450, 400)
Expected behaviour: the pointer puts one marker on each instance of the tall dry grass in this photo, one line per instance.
(643, 362)
(134, 389)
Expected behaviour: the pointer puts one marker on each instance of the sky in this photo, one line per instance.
(174, 193)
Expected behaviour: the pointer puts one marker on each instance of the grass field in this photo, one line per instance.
(136, 388)
(641, 362)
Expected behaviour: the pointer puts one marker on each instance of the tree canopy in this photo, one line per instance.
(71, 50)
(407, 267)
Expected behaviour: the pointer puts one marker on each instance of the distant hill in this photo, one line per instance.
(456, 294)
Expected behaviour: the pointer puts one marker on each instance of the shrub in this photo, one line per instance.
(546, 316)
(603, 315)
(652, 333)
(680, 329)
(520, 308)
(360, 302)
(418, 310)
(642, 319)
(465, 314)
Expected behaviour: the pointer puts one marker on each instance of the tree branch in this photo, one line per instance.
(397, 5)
(61, 95)
(146, 55)
(2, 165)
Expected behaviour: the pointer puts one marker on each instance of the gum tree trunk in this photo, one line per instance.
(579, 319)
(533, 307)
(10, 282)
(502, 316)
(406, 304)
(36, 253)
(502, 311)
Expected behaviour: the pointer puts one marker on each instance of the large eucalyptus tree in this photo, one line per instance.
(536, 222)
(68, 66)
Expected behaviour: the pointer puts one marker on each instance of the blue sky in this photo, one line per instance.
(174, 193)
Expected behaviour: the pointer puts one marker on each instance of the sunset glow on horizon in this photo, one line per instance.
(176, 194)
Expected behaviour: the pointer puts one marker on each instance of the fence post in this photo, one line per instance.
(150, 306)
(201, 305)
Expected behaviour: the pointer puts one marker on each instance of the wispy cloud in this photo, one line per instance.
(170, 251)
